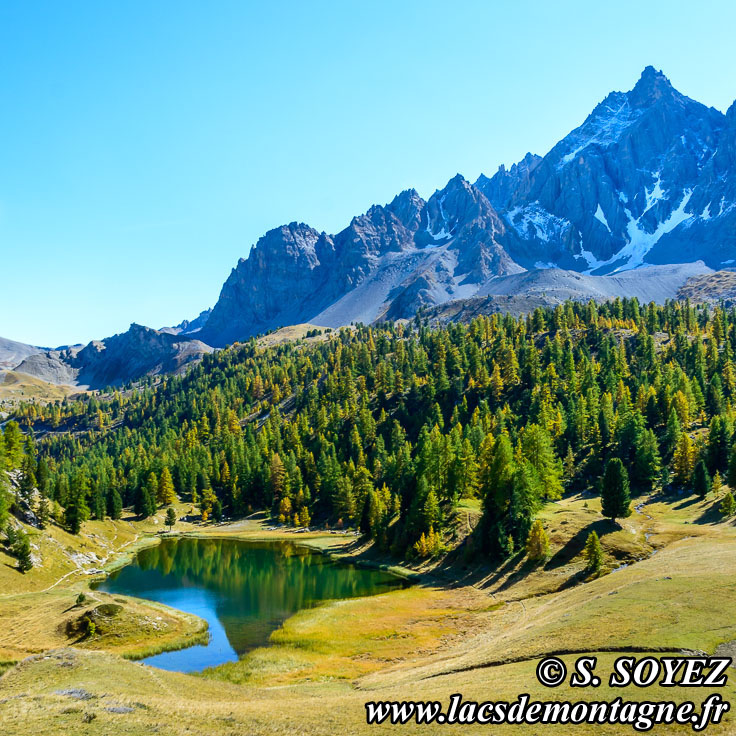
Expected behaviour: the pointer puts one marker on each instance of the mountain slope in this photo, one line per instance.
(13, 353)
(115, 360)
(649, 177)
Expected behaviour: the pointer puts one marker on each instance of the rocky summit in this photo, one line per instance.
(115, 360)
(648, 178)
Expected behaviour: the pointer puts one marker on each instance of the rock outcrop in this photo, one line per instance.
(648, 178)
(12, 353)
(116, 360)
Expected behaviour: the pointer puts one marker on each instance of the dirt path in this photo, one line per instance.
(102, 563)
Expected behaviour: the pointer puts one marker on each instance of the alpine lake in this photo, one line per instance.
(244, 590)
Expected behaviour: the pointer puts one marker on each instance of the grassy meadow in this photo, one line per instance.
(667, 587)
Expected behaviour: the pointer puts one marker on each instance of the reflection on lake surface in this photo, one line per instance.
(244, 590)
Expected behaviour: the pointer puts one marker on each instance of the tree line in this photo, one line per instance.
(388, 428)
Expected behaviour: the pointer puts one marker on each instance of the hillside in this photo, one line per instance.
(13, 353)
(17, 388)
(714, 287)
(445, 448)
(479, 636)
(523, 293)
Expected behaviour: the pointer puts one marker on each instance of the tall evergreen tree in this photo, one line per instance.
(22, 551)
(615, 499)
(165, 494)
(701, 479)
(647, 462)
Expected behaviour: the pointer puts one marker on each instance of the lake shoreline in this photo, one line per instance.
(233, 532)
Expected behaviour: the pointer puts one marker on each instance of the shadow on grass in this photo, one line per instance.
(712, 514)
(459, 569)
(576, 544)
(685, 503)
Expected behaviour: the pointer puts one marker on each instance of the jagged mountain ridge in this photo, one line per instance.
(187, 326)
(115, 360)
(641, 180)
(408, 253)
(649, 177)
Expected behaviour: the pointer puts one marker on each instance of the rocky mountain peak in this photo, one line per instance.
(731, 114)
(527, 164)
(505, 185)
(295, 239)
(407, 206)
(457, 203)
(646, 178)
(651, 87)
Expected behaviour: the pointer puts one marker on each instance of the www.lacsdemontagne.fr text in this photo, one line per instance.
(689, 672)
(641, 716)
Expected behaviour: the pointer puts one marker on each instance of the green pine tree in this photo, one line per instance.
(701, 479)
(615, 498)
(22, 550)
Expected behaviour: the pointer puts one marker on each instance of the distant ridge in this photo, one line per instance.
(649, 178)
(115, 360)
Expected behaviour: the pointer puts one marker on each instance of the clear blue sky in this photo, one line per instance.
(145, 145)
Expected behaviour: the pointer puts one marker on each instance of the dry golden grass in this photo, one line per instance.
(345, 640)
(171, 703)
(481, 639)
(36, 622)
(295, 332)
(18, 387)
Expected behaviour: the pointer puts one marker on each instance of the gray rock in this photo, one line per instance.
(77, 693)
(115, 360)
(648, 178)
(13, 353)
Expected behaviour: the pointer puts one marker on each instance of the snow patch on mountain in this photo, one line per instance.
(444, 233)
(656, 192)
(603, 127)
(640, 241)
(535, 222)
(601, 217)
(591, 260)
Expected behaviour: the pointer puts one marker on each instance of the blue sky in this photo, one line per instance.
(145, 145)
